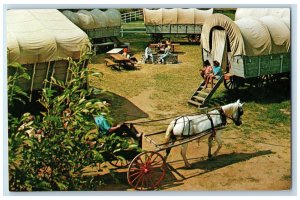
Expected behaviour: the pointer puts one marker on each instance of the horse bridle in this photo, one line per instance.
(224, 116)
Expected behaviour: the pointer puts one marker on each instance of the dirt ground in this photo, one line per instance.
(259, 160)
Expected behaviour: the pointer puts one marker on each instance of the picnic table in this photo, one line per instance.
(122, 61)
(115, 51)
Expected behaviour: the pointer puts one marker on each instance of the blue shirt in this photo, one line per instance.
(102, 123)
(217, 70)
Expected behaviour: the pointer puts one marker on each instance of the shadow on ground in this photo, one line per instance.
(221, 161)
(173, 177)
(121, 108)
(270, 93)
(121, 184)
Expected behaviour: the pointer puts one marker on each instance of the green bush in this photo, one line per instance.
(50, 151)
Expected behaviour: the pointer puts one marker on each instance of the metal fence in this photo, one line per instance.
(132, 16)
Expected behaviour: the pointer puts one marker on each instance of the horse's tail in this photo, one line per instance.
(169, 133)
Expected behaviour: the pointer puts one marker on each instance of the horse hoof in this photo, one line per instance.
(187, 166)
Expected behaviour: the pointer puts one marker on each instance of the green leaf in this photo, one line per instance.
(43, 185)
(117, 150)
(61, 186)
(85, 110)
(81, 101)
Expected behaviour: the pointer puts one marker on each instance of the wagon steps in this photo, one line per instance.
(202, 96)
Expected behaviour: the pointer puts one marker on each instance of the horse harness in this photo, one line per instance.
(223, 119)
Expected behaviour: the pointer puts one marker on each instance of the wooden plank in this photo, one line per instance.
(202, 93)
(199, 98)
(194, 103)
(109, 62)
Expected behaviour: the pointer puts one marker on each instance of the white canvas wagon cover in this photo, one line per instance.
(95, 19)
(164, 16)
(261, 12)
(42, 35)
(249, 36)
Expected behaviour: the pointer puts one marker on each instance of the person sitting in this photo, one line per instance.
(166, 54)
(206, 71)
(105, 128)
(125, 54)
(168, 42)
(160, 46)
(148, 54)
(217, 73)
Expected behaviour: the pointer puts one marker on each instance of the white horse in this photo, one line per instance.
(185, 126)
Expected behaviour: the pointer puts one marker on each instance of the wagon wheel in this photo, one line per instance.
(146, 170)
(262, 80)
(193, 38)
(274, 78)
(119, 163)
(231, 83)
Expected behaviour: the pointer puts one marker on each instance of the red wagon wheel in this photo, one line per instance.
(146, 170)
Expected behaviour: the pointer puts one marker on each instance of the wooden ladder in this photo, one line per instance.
(201, 96)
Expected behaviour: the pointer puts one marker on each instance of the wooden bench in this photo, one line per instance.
(111, 63)
(155, 57)
(172, 59)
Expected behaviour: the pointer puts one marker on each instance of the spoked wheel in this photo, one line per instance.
(231, 83)
(146, 170)
(119, 163)
(263, 80)
(274, 78)
(194, 38)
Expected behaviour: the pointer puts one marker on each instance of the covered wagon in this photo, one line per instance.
(96, 23)
(253, 49)
(41, 40)
(176, 21)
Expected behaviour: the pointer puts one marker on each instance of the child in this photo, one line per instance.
(207, 69)
(217, 73)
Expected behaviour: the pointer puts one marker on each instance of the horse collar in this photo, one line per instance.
(223, 116)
